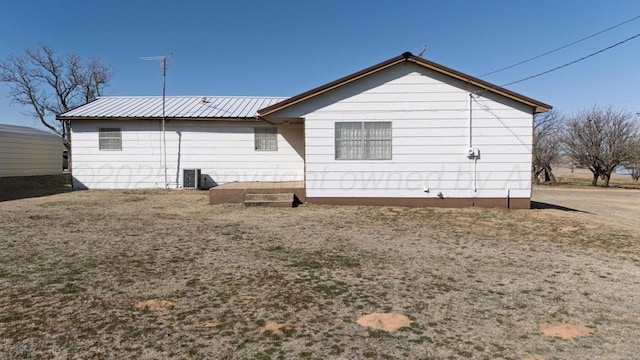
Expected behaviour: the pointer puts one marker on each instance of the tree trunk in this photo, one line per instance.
(536, 175)
(68, 147)
(548, 174)
(605, 178)
(594, 182)
(66, 124)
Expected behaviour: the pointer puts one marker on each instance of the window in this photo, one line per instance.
(110, 139)
(266, 138)
(363, 141)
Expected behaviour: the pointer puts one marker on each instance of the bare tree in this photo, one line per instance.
(547, 142)
(634, 171)
(601, 139)
(52, 84)
(633, 165)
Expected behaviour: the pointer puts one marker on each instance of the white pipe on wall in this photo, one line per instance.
(470, 120)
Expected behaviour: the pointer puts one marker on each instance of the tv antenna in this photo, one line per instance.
(424, 48)
(163, 62)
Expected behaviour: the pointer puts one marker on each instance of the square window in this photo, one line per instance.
(266, 138)
(110, 139)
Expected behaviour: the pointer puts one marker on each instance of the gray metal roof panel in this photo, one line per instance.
(26, 131)
(175, 107)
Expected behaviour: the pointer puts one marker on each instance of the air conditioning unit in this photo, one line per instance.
(191, 178)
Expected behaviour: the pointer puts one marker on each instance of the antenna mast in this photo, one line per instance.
(163, 62)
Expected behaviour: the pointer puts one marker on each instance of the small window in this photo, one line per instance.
(110, 139)
(266, 138)
(363, 140)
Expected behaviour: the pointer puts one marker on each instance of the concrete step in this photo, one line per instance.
(269, 197)
(273, 200)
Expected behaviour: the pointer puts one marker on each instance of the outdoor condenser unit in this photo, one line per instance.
(191, 178)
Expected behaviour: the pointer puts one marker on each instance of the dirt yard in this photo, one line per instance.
(160, 274)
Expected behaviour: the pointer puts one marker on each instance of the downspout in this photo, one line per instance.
(474, 155)
(470, 120)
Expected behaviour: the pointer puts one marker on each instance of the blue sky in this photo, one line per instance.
(282, 48)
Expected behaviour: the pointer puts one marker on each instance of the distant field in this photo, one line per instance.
(583, 177)
(227, 282)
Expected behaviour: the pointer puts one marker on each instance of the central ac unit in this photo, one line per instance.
(190, 178)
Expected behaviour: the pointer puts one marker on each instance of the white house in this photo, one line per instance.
(406, 131)
(118, 142)
(26, 151)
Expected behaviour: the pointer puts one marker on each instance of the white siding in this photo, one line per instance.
(224, 151)
(27, 152)
(430, 126)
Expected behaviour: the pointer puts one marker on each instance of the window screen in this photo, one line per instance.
(266, 139)
(110, 139)
(363, 140)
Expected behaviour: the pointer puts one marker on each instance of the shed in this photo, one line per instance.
(26, 151)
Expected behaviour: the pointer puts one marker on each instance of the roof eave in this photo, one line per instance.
(131, 118)
(75, 107)
(537, 105)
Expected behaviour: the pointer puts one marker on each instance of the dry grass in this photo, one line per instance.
(265, 283)
(583, 177)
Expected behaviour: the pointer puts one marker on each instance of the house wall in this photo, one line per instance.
(27, 152)
(430, 115)
(223, 150)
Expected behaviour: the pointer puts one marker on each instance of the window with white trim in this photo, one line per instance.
(266, 138)
(363, 140)
(110, 139)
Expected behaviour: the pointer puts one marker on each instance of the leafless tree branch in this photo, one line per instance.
(51, 84)
(601, 140)
(547, 142)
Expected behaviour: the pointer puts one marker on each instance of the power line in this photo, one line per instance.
(561, 47)
(487, 109)
(573, 62)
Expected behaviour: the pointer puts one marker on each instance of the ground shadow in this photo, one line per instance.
(26, 194)
(547, 206)
(24, 187)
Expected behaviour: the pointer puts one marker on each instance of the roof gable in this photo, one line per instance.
(406, 57)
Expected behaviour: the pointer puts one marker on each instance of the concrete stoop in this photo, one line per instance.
(272, 200)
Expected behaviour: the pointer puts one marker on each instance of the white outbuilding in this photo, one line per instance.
(26, 151)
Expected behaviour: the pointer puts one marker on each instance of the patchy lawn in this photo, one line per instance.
(156, 274)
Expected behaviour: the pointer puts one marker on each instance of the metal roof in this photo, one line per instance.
(16, 130)
(176, 107)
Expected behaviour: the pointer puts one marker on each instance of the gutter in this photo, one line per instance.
(260, 118)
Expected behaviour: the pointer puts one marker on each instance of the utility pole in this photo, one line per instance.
(163, 61)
